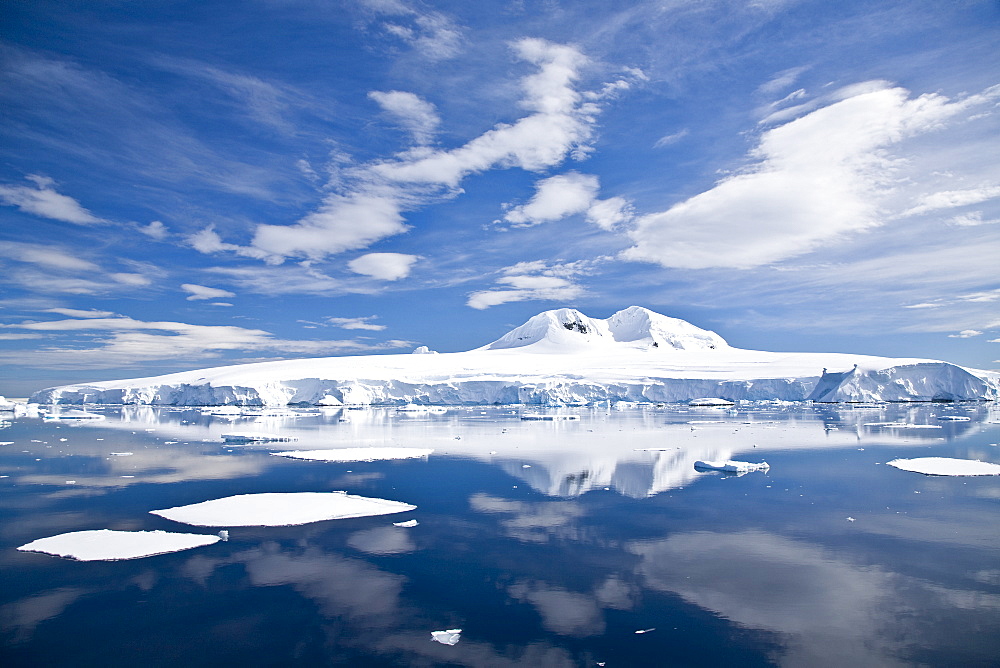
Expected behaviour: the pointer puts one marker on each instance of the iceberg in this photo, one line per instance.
(109, 545)
(946, 466)
(280, 509)
(557, 358)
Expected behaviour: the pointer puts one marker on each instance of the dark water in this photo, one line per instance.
(547, 543)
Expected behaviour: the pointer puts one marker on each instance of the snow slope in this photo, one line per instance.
(557, 357)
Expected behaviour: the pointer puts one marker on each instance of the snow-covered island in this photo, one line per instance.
(557, 357)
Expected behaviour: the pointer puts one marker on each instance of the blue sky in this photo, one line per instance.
(191, 184)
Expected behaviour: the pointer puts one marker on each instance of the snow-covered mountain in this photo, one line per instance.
(557, 357)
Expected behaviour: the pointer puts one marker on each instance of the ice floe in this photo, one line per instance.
(449, 637)
(946, 466)
(110, 545)
(407, 524)
(253, 437)
(710, 401)
(730, 466)
(280, 509)
(357, 454)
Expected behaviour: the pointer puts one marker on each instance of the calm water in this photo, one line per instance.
(548, 543)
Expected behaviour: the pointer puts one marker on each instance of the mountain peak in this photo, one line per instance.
(567, 329)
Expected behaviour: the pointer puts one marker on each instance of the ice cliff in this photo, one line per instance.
(557, 357)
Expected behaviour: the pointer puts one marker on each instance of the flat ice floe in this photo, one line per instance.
(946, 466)
(449, 637)
(280, 509)
(730, 466)
(356, 454)
(109, 545)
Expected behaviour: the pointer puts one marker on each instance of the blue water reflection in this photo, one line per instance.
(550, 543)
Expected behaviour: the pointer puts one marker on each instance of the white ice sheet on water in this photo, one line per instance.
(946, 466)
(449, 637)
(280, 509)
(109, 545)
(356, 454)
(730, 466)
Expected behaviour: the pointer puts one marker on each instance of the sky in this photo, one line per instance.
(195, 184)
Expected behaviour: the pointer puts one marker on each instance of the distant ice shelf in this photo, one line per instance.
(557, 358)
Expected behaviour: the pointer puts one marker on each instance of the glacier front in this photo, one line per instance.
(557, 357)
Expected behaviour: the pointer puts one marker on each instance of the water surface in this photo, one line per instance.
(549, 543)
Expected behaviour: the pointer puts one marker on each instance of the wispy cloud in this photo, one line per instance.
(356, 323)
(417, 116)
(432, 34)
(112, 342)
(560, 124)
(814, 180)
(528, 281)
(43, 200)
(199, 292)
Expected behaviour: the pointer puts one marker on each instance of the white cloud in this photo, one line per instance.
(203, 292)
(432, 34)
(972, 219)
(123, 340)
(156, 230)
(45, 256)
(565, 195)
(417, 116)
(383, 266)
(950, 199)
(42, 200)
(370, 208)
(965, 334)
(80, 313)
(555, 198)
(284, 280)
(344, 222)
(531, 281)
(137, 280)
(19, 337)
(560, 123)
(667, 140)
(781, 81)
(356, 323)
(607, 213)
(815, 179)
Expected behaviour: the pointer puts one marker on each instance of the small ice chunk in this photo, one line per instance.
(730, 466)
(449, 637)
(946, 466)
(280, 509)
(407, 524)
(121, 454)
(357, 454)
(224, 535)
(109, 545)
(646, 630)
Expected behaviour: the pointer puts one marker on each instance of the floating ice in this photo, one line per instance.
(356, 454)
(730, 466)
(946, 466)
(253, 437)
(449, 637)
(109, 545)
(710, 401)
(278, 509)
(548, 418)
(407, 524)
